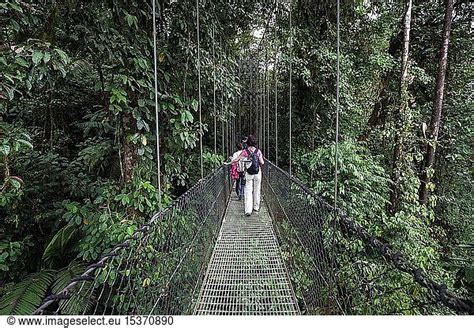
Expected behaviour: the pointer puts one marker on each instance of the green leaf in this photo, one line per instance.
(37, 56)
(24, 297)
(16, 7)
(62, 55)
(47, 57)
(194, 104)
(80, 299)
(21, 61)
(15, 183)
(58, 245)
(25, 143)
(5, 150)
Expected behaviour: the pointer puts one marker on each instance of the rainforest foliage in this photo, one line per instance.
(77, 127)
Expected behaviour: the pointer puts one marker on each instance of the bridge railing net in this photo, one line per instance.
(337, 267)
(159, 269)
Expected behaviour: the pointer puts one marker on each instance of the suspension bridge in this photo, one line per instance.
(201, 255)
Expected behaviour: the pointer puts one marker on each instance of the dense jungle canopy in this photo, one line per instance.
(77, 127)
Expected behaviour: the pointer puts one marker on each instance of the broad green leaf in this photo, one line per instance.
(5, 149)
(47, 57)
(62, 55)
(26, 143)
(16, 7)
(15, 184)
(21, 61)
(37, 56)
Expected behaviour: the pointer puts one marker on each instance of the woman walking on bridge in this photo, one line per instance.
(253, 175)
(253, 159)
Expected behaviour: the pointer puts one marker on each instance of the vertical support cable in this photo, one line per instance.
(276, 92)
(226, 134)
(268, 81)
(240, 100)
(257, 127)
(222, 137)
(158, 164)
(264, 105)
(291, 76)
(199, 89)
(333, 292)
(226, 120)
(260, 126)
(222, 122)
(337, 107)
(214, 86)
(276, 113)
(252, 94)
(229, 136)
(257, 108)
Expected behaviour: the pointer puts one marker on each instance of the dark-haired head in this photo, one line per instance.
(251, 141)
(239, 146)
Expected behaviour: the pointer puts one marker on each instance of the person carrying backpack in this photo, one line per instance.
(253, 175)
(253, 158)
(237, 171)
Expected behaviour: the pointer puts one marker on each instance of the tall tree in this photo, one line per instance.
(380, 107)
(436, 113)
(400, 113)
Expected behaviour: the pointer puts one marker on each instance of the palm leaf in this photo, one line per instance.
(24, 297)
(80, 300)
(59, 244)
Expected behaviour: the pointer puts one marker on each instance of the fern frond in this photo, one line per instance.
(24, 297)
(80, 301)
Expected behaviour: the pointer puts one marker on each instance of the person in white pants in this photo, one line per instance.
(253, 182)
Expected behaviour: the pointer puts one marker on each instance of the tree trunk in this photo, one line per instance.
(399, 115)
(435, 122)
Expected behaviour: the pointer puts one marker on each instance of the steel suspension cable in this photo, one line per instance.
(336, 215)
(222, 123)
(264, 105)
(258, 113)
(214, 86)
(155, 66)
(276, 112)
(267, 79)
(276, 89)
(199, 89)
(255, 126)
(240, 100)
(291, 76)
(337, 105)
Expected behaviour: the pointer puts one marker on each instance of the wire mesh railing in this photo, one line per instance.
(158, 269)
(330, 275)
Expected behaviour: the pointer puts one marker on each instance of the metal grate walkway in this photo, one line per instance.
(246, 274)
